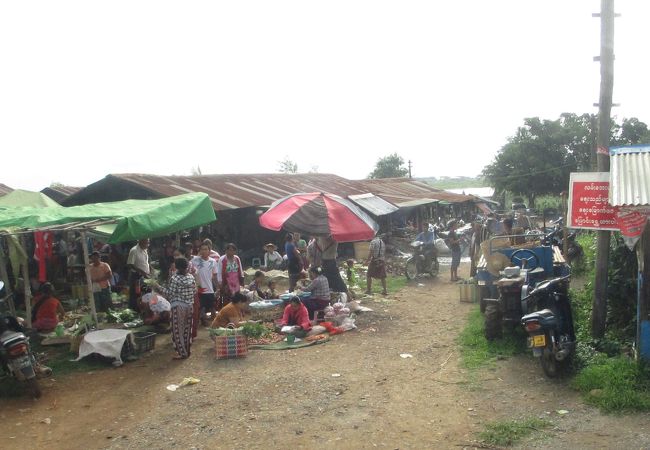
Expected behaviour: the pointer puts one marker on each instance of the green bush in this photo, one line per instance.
(615, 384)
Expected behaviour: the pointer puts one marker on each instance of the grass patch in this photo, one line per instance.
(615, 385)
(507, 433)
(478, 351)
(393, 283)
(59, 359)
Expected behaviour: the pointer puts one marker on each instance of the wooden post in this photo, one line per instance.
(5, 277)
(26, 285)
(89, 283)
(599, 310)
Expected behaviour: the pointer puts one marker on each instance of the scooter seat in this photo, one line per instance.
(545, 317)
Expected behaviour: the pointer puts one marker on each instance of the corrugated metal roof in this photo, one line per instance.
(629, 176)
(4, 189)
(407, 192)
(244, 190)
(60, 192)
(376, 206)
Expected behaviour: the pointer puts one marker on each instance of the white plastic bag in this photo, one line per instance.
(441, 246)
(347, 324)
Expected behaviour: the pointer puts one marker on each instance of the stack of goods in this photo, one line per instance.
(337, 312)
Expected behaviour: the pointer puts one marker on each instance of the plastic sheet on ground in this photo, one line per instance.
(107, 343)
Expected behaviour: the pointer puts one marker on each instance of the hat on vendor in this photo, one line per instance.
(95, 253)
(272, 245)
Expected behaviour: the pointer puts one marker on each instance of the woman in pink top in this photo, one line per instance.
(296, 314)
(230, 273)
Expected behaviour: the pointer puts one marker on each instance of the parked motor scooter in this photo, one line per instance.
(424, 260)
(16, 357)
(550, 328)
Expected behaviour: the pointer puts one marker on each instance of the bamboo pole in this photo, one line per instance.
(89, 283)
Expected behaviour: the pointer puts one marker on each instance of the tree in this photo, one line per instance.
(538, 159)
(533, 162)
(287, 166)
(196, 171)
(391, 166)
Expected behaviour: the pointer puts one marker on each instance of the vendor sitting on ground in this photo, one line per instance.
(256, 285)
(47, 311)
(296, 314)
(233, 313)
(320, 291)
(271, 293)
(155, 309)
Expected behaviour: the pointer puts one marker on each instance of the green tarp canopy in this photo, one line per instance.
(130, 220)
(20, 198)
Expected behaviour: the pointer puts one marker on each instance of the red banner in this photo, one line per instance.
(589, 207)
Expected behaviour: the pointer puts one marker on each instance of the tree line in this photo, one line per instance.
(539, 158)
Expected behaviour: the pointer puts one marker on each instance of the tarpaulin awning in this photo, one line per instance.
(130, 220)
(21, 198)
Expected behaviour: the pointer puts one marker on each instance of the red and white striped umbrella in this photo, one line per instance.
(320, 214)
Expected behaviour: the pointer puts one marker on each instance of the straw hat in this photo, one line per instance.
(272, 245)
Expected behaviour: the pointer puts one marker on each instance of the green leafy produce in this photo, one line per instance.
(255, 330)
(126, 315)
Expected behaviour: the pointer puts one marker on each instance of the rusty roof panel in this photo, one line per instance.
(402, 191)
(629, 176)
(244, 190)
(4, 189)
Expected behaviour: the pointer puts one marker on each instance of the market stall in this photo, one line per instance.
(114, 222)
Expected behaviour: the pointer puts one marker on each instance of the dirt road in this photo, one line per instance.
(290, 399)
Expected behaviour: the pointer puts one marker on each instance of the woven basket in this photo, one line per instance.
(233, 346)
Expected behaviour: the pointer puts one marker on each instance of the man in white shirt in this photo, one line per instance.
(206, 274)
(139, 268)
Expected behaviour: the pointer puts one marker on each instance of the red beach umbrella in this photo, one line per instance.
(320, 214)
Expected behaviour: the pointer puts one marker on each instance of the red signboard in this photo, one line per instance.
(588, 202)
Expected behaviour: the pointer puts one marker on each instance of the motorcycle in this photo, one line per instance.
(16, 357)
(424, 260)
(554, 237)
(550, 329)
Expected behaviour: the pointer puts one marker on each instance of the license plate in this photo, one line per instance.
(539, 340)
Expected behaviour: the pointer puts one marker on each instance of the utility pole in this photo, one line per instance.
(410, 165)
(599, 311)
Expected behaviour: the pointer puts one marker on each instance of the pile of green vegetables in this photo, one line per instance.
(126, 315)
(255, 330)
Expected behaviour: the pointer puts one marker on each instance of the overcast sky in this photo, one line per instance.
(89, 88)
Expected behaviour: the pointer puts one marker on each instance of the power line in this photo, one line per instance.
(528, 174)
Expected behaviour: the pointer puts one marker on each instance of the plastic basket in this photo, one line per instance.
(144, 341)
